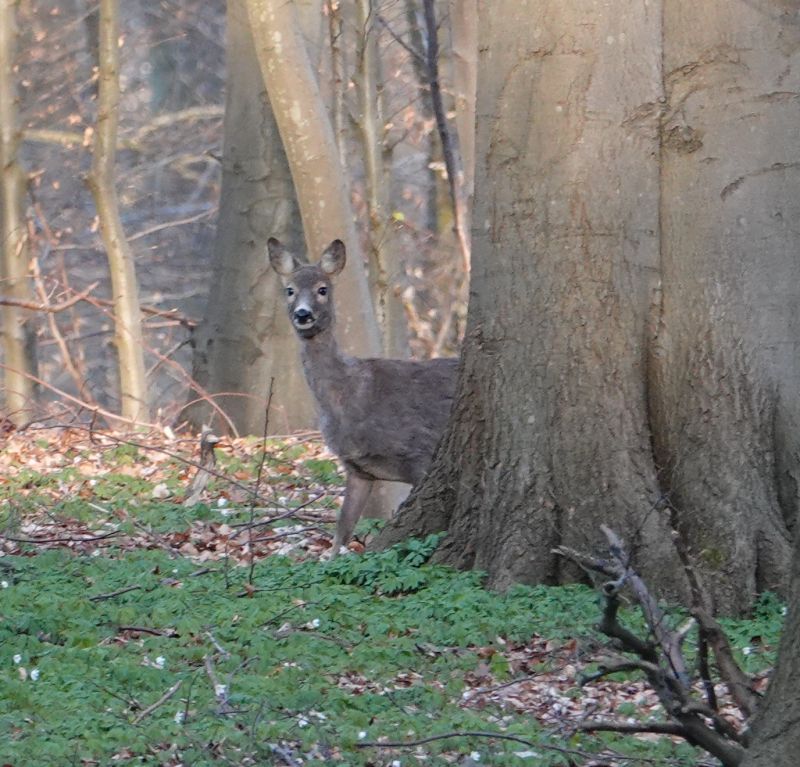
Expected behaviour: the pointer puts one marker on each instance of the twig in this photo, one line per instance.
(205, 112)
(654, 615)
(610, 626)
(415, 54)
(187, 461)
(107, 414)
(259, 474)
(286, 534)
(169, 633)
(160, 702)
(48, 307)
(660, 728)
(79, 379)
(627, 665)
(112, 594)
(672, 684)
(220, 649)
(170, 224)
(220, 690)
(271, 520)
(476, 734)
(711, 634)
(65, 539)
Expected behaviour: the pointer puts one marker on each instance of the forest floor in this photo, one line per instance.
(137, 629)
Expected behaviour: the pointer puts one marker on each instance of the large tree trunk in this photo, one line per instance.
(612, 362)
(727, 345)
(776, 728)
(245, 339)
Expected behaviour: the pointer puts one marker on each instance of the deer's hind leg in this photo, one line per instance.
(356, 493)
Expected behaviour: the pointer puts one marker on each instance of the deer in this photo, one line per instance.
(383, 418)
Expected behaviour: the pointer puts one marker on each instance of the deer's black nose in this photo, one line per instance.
(303, 316)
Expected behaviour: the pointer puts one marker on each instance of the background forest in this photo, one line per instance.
(374, 69)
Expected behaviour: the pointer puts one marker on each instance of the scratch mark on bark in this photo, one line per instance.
(736, 183)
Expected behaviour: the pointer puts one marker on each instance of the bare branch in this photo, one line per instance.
(660, 728)
(169, 633)
(46, 307)
(112, 594)
(654, 615)
(661, 661)
(712, 635)
(160, 702)
(617, 667)
(65, 539)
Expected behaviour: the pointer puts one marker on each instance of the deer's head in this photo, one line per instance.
(308, 287)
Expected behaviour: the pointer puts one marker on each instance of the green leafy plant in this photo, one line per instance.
(394, 571)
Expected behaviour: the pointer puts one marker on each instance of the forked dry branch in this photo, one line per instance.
(660, 657)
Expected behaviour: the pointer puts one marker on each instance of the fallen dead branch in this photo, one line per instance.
(479, 734)
(169, 633)
(112, 594)
(160, 702)
(62, 539)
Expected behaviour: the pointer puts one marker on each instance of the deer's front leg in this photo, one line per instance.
(356, 492)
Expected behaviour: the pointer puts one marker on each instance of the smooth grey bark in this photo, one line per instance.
(383, 257)
(245, 338)
(627, 347)
(725, 365)
(128, 338)
(17, 332)
(464, 44)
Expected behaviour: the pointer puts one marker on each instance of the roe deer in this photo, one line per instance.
(382, 417)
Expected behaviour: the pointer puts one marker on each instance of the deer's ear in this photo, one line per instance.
(283, 262)
(333, 259)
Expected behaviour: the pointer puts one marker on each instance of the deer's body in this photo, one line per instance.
(382, 417)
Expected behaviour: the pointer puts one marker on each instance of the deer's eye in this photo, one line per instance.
(323, 291)
(289, 292)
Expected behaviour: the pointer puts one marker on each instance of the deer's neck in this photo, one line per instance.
(327, 371)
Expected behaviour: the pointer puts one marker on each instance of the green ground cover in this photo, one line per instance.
(127, 650)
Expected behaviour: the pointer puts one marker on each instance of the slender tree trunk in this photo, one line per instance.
(127, 317)
(384, 258)
(449, 140)
(633, 337)
(319, 180)
(333, 11)
(416, 23)
(464, 30)
(17, 332)
(245, 339)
